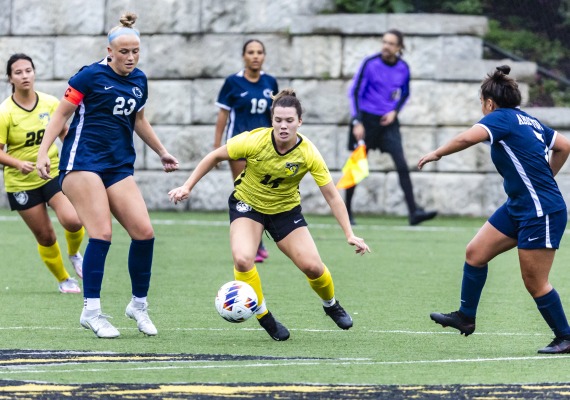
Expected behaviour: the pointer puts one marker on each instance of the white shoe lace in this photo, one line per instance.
(100, 325)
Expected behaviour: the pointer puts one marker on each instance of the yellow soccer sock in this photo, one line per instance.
(51, 256)
(323, 285)
(74, 240)
(252, 278)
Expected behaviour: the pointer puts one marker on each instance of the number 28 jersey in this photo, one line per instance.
(270, 181)
(100, 137)
(22, 132)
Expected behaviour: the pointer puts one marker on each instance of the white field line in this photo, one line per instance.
(225, 224)
(269, 364)
(383, 332)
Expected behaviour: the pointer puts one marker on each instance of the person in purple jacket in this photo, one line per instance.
(379, 90)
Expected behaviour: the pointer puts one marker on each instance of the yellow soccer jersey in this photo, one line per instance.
(270, 181)
(22, 132)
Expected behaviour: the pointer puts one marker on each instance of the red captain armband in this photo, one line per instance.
(73, 96)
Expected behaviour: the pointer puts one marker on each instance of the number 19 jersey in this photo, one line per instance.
(100, 137)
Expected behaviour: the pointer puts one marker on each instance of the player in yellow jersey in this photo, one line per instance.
(266, 197)
(23, 119)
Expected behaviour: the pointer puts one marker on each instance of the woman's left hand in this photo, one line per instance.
(361, 247)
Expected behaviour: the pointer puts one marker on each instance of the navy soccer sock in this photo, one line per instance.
(551, 309)
(474, 279)
(94, 266)
(140, 264)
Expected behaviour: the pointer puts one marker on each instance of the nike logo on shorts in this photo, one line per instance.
(297, 221)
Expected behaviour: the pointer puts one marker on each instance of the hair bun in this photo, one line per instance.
(505, 69)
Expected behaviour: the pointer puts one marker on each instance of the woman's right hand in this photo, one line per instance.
(43, 167)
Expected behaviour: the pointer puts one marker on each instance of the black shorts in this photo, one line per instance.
(385, 138)
(278, 225)
(20, 201)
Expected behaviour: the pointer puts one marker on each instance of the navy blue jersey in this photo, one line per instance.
(249, 103)
(100, 137)
(520, 147)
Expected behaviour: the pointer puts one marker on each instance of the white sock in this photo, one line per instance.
(262, 308)
(329, 303)
(139, 300)
(92, 304)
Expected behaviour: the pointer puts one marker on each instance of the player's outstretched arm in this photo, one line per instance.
(204, 166)
(338, 208)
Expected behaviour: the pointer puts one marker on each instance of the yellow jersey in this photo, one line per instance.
(270, 181)
(21, 132)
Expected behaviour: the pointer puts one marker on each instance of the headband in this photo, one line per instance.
(122, 31)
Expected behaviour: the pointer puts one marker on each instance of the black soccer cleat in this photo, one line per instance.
(420, 216)
(457, 320)
(275, 328)
(339, 316)
(557, 346)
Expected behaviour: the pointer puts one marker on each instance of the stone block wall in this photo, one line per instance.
(190, 46)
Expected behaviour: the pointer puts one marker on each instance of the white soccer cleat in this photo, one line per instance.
(69, 285)
(139, 312)
(77, 262)
(97, 322)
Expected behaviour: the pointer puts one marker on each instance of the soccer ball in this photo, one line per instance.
(236, 301)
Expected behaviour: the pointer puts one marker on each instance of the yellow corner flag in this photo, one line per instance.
(355, 169)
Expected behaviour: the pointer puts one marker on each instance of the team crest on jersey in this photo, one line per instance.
(267, 92)
(291, 169)
(44, 118)
(137, 92)
(243, 207)
(21, 197)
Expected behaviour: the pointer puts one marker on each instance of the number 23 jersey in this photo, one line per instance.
(100, 137)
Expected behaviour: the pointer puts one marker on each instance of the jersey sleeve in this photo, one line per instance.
(224, 97)
(238, 146)
(498, 125)
(4, 124)
(318, 167)
(82, 80)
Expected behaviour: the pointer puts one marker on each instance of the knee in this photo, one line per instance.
(243, 263)
(46, 238)
(312, 270)
(535, 286)
(474, 257)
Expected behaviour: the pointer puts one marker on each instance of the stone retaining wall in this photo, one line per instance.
(190, 46)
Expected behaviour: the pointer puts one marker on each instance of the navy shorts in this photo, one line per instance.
(277, 225)
(536, 233)
(108, 178)
(20, 201)
(387, 139)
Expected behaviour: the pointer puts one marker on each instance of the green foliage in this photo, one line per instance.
(373, 6)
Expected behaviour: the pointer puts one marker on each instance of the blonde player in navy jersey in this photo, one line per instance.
(266, 197)
(527, 154)
(245, 104)
(23, 120)
(97, 166)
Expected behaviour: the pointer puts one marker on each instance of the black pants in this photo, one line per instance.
(387, 139)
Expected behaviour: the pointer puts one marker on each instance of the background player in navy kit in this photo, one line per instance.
(97, 166)
(267, 197)
(23, 120)
(534, 216)
(245, 104)
(379, 90)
